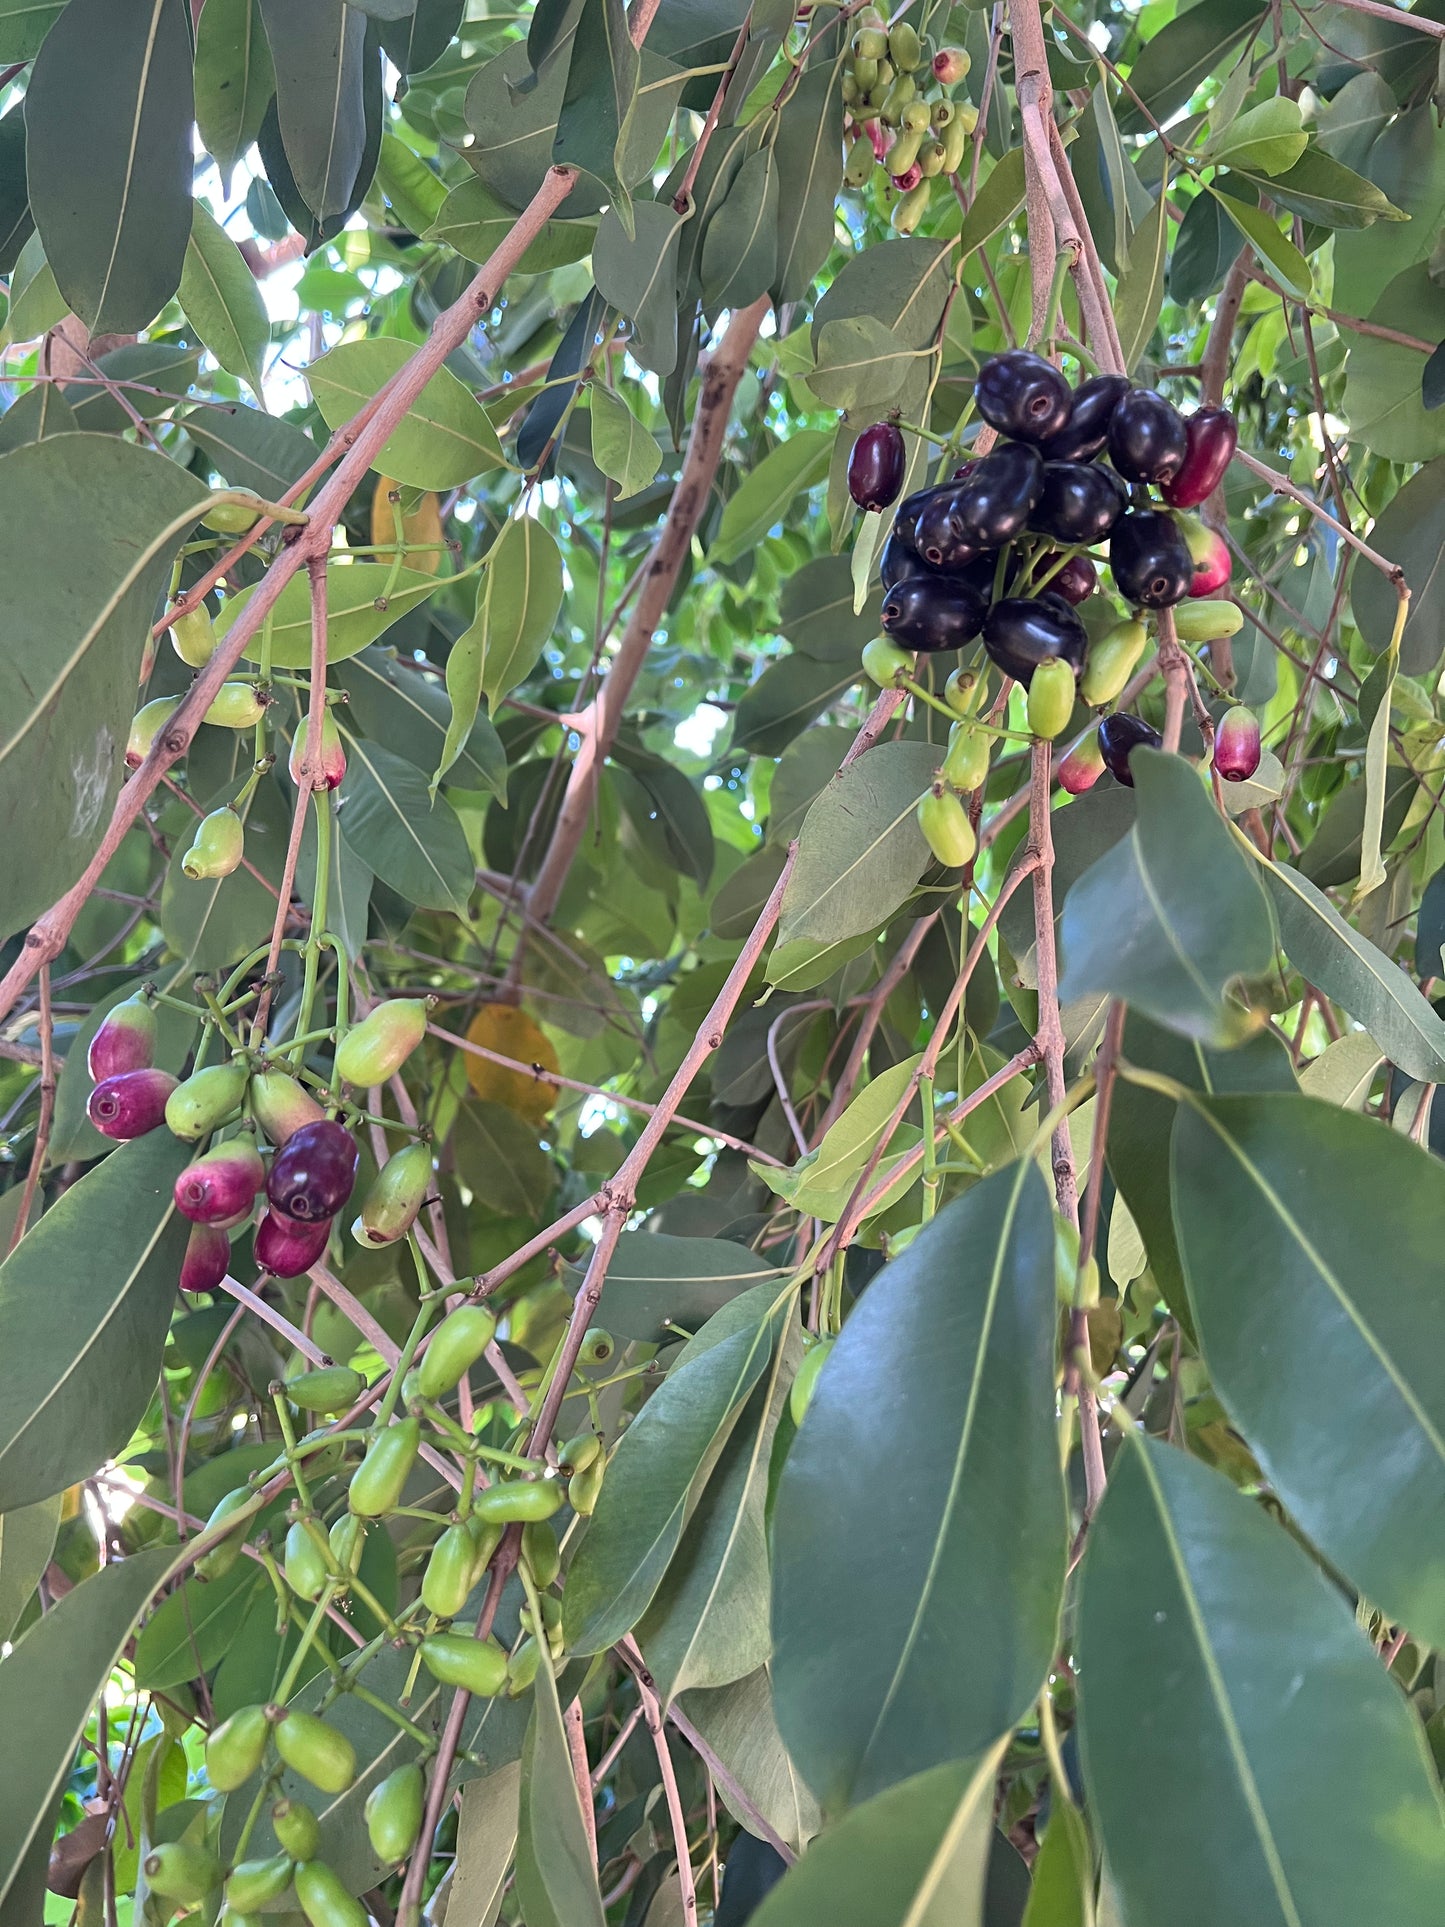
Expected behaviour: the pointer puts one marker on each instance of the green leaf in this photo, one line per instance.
(1382, 378)
(446, 437)
(996, 203)
(784, 700)
(1325, 191)
(599, 99)
(234, 80)
(621, 447)
(737, 1723)
(71, 642)
(636, 273)
(1179, 55)
(24, 25)
(1062, 1894)
(250, 449)
(861, 852)
(1204, 247)
(517, 606)
(1335, 854)
(740, 245)
(966, 1474)
(1129, 201)
(656, 1282)
(861, 364)
(556, 1873)
(27, 1539)
(85, 1302)
(114, 209)
(1274, 249)
(1349, 124)
(409, 838)
(1407, 162)
(915, 1856)
(36, 304)
(502, 1162)
(1267, 139)
(1140, 294)
(1224, 1681)
(193, 1628)
(415, 194)
(220, 299)
(662, 1464)
(1170, 917)
(353, 619)
(1350, 970)
(17, 224)
(1411, 532)
(49, 1685)
(211, 922)
(1278, 1204)
(419, 39)
(822, 1182)
(487, 1827)
(767, 493)
(1083, 833)
(804, 771)
(475, 222)
(146, 376)
(318, 47)
(808, 151)
(408, 712)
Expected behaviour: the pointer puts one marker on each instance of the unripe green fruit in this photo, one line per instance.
(256, 1882)
(448, 1576)
(598, 1346)
(539, 1549)
(145, 726)
(946, 828)
(942, 114)
(916, 117)
(550, 1613)
(865, 73)
(800, 1396)
(393, 1813)
(485, 1537)
(216, 1563)
(1111, 662)
(965, 764)
(305, 1564)
(963, 691)
(904, 152)
(319, 1753)
(280, 1106)
(522, 1668)
(178, 1870)
(381, 1043)
(583, 1488)
(206, 1100)
(870, 43)
(324, 1900)
(1051, 699)
(236, 1748)
(456, 1659)
(910, 210)
(872, 104)
(296, 1828)
(380, 1479)
(457, 1344)
(849, 90)
(931, 157)
(886, 75)
(955, 143)
(193, 637)
(858, 170)
(885, 662)
(347, 1539)
(905, 49)
(237, 705)
(218, 846)
(231, 518)
(512, 1499)
(900, 94)
(1207, 621)
(330, 1388)
(396, 1196)
(577, 1454)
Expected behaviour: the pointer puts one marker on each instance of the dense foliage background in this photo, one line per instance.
(1103, 1582)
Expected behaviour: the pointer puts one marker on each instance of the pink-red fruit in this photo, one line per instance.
(328, 770)
(220, 1184)
(131, 1104)
(287, 1248)
(1212, 437)
(950, 64)
(1083, 766)
(1236, 745)
(126, 1041)
(207, 1259)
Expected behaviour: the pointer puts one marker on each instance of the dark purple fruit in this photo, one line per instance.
(133, 1102)
(285, 1247)
(1021, 394)
(1083, 435)
(898, 561)
(1147, 437)
(1023, 631)
(876, 465)
(1080, 502)
(1213, 437)
(1119, 736)
(312, 1176)
(1076, 581)
(1150, 559)
(933, 612)
(939, 540)
(994, 504)
(910, 509)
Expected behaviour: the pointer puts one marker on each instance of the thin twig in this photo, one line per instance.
(47, 1112)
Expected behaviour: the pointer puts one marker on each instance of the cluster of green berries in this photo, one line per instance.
(902, 121)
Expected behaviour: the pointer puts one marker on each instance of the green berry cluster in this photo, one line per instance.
(901, 119)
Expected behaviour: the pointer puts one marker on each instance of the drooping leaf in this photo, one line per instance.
(1407, 162)
(408, 712)
(996, 203)
(861, 363)
(1140, 293)
(353, 618)
(1323, 190)
(487, 1828)
(517, 606)
(318, 48)
(738, 1724)
(1062, 1892)
(220, 299)
(17, 223)
(598, 100)
(85, 1300)
(1382, 378)
(1178, 55)
(1172, 915)
(1267, 139)
(637, 274)
(145, 377)
(740, 245)
(475, 222)
(1278, 1204)
(1223, 1675)
(621, 447)
(235, 79)
(556, 1874)
(809, 156)
(1205, 245)
(24, 25)
(411, 839)
(71, 641)
(964, 1318)
(251, 450)
(114, 211)
(1411, 532)
(27, 1539)
(1275, 249)
(543, 419)
(657, 1282)
(419, 38)
(446, 437)
(823, 1180)
(194, 1627)
(767, 493)
(785, 699)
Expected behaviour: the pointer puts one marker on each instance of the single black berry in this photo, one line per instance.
(1119, 736)
(939, 539)
(933, 612)
(1083, 435)
(1022, 395)
(1080, 502)
(994, 504)
(1148, 440)
(1023, 631)
(876, 465)
(898, 561)
(1150, 559)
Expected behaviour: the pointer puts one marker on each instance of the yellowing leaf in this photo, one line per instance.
(423, 524)
(511, 1033)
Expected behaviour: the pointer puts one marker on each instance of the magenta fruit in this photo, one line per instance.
(222, 1183)
(287, 1248)
(207, 1259)
(1211, 439)
(876, 465)
(131, 1103)
(1236, 745)
(126, 1041)
(1209, 552)
(332, 765)
(312, 1176)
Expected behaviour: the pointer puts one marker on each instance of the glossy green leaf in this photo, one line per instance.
(446, 437)
(636, 273)
(17, 223)
(220, 299)
(662, 1464)
(251, 450)
(823, 1180)
(914, 1856)
(502, 1162)
(113, 210)
(996, 203)
(808, 153)
(234, 79)
(517, 604)
(1323, 190)
(48, 1686)
(36, 304)
(487, 1827)
(1062, 1893)
(861, 363)
(417, 40)
(598, 100)
(556, 1874)
(71, 642)
(475, 222)
(1223, 1676)
(740, 246)
(656, 1282)
(1177, 56)
(1278, 1204)
(738, 1724)
(975, 1565)
(1204, 247)
(1411, 532)
(410, 839)
(861, 851)
(352, 617)
(1275, 249)
(1267, 139)
(407, 711)
(1140, 293)
(1382, 378)
(769, 490)
(621, 447)
(194, 1627)
(1334, 957)
(1170, 917)
(24, 25)
(27, 1539)
(318, 48)
(1406, 162)
(85, 1302)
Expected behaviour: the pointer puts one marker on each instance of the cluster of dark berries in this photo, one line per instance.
(312, 1169)
(1000, 550)
(901, 122)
